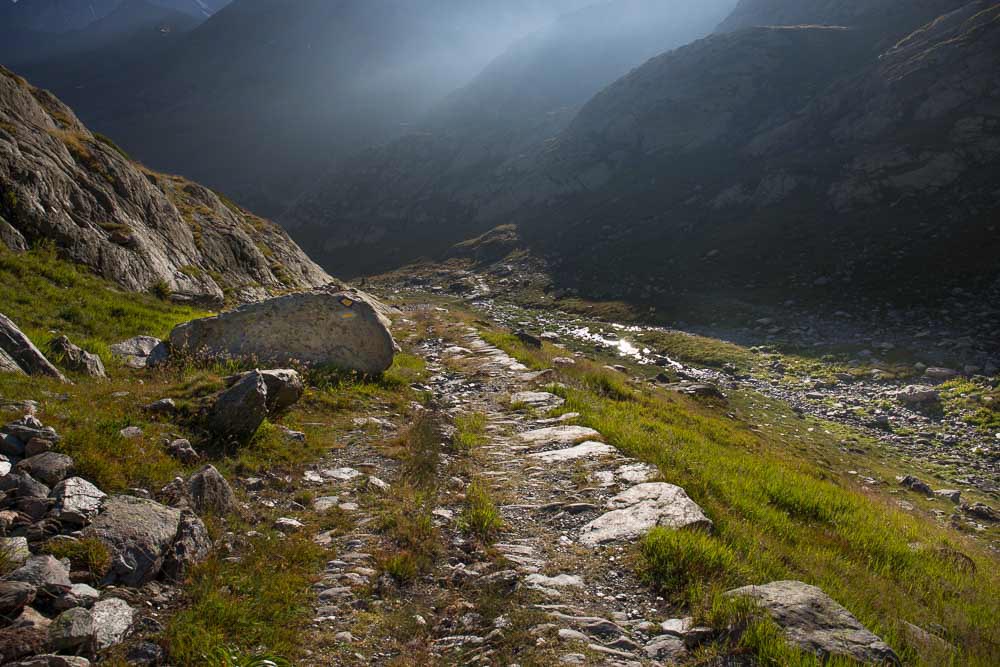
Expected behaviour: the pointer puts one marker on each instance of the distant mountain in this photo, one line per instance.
(268, 93)
(524, 97)
(60, 16)
(133, 30)
(786, 159)
(144, 230)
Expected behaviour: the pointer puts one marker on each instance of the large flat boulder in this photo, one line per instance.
(815, 622)
(640, 509)
(324, 326)
(19, 349)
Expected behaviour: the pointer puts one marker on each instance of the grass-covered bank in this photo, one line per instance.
(778, 514)
(253, 596)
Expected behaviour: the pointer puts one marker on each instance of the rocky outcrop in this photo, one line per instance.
(76, 359)
(814, 622)
(321, 327)
(145, 231)
(19, 354)
(141, 536)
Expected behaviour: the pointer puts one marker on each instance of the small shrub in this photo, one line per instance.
(162, 290)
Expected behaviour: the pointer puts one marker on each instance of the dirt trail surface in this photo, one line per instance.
(553, 586)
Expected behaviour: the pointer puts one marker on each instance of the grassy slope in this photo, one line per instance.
(780, 514)
(245, 605)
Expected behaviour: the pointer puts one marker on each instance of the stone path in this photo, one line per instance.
(567, 492)
(573, 508)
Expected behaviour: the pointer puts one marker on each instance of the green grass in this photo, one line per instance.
(470, 431)
(42, 293)
(779, 514)
(676, 560)
(88, 554)
(480, 518)
(249, 603)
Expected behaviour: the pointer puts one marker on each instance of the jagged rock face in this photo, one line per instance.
(60, 183)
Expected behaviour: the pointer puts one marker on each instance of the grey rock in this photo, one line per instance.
(640, 509)
(917, 485)
(326, 326)
(112, 620)
(584, 450)
(952, 495)
(240, 410)
(918, 395)
(813, 621)
(76, 500)
(11, 446)
(12, 238)
(23, 485)
(29, 427)
(42, 572)
(558, 436)
(48, 467)
(538, 400)
(145, 653)
(141, 352)
(130, 433)
(18, 348)
(528, 339)
(139, 533)
(981, 511)
(210, 492)
(77, 359)
(15, 596)
(191, 546)
(183, 451)
(72, 630)
(79, 595)
(8, 365)
(164, 406)
(15, 550)
(941, 374)
(284, 388)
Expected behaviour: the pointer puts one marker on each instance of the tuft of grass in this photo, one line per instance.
(247, 604)
(470, 431)
(480, 518)
(676, 560)
(88, 554)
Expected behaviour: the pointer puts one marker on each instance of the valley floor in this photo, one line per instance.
(456, 509)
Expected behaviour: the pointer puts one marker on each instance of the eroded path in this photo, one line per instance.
(554, 585)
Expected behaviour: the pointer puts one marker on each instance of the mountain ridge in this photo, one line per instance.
(146, 231)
